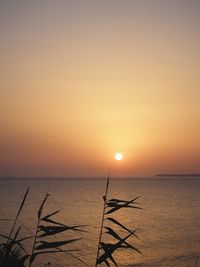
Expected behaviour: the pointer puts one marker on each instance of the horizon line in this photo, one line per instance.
(105, 176)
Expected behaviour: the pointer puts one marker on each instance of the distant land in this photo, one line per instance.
(178, 175)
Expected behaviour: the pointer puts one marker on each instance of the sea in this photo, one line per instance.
(168, 225)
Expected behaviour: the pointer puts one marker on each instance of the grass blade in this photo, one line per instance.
(45, 245)
(42, 205)
(49, 215)
(19, 211)
(69, 253)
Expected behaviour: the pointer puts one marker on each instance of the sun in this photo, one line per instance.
(118, 156)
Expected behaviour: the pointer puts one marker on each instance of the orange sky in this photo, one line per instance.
(81, 80)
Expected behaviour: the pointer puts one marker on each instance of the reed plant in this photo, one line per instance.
(105, 250)
(12, 251)
(14, 254)
(49, 227)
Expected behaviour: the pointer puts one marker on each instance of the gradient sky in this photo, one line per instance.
(81, 80)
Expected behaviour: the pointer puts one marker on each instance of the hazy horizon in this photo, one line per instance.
(156, 176)
(82, 80)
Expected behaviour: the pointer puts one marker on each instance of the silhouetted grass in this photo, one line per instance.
(46, 227)
(106, 250)
(12, 252)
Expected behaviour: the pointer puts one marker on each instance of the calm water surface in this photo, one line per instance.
(168, 225)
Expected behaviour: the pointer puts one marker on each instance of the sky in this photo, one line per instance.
(83, 79)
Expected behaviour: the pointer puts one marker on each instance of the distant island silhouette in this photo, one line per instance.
(178, 175)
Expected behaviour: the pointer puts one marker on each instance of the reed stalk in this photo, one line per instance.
(17, 216)
(103, 217)
(106, 249)
(15, 220)
(37, 228)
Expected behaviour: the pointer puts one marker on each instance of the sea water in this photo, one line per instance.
(168, 226)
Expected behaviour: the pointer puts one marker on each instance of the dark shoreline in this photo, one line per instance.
(178, 175)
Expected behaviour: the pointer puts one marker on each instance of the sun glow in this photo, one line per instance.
(118, 156)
